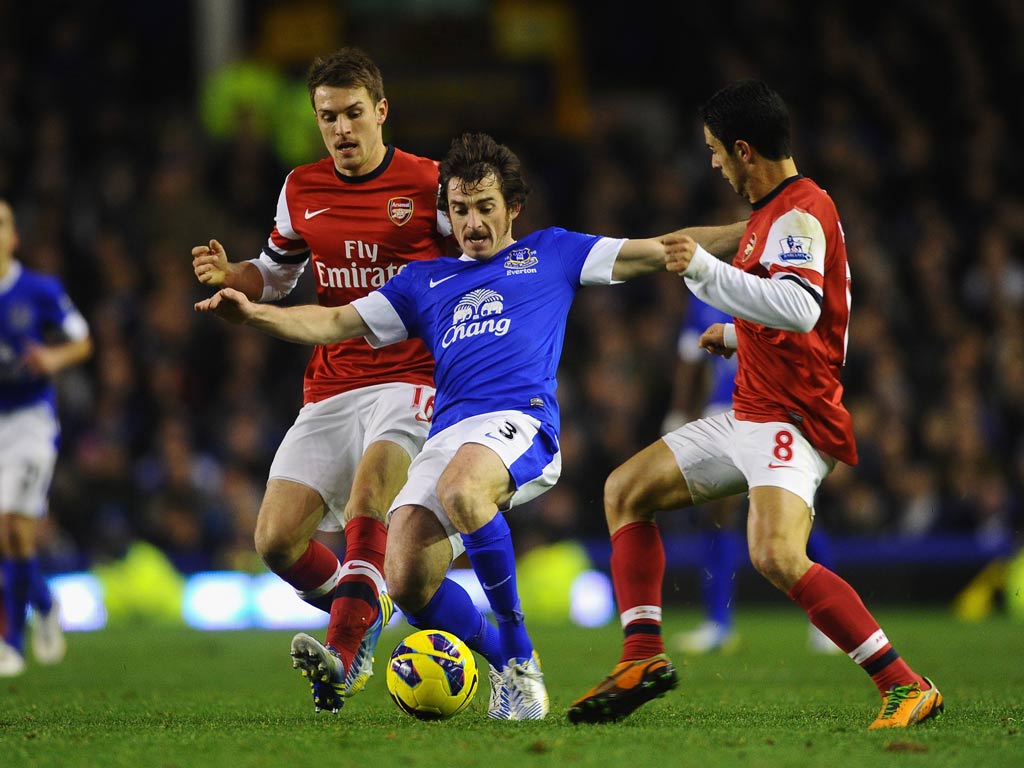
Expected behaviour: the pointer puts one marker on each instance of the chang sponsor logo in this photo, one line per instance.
(477, 312)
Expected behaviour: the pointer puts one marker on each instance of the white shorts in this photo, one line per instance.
(527, 447)
(28, 453)
(324, 446)
(722, 456)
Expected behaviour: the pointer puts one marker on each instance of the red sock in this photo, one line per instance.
(314, 575)
(638, 569)
(835, 608)
(355, 605)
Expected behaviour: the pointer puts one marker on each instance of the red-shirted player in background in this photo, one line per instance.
(356, 217)
(788, 290)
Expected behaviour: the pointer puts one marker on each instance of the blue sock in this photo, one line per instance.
(452, 610)
(39, 596)
(490, 551)
(16, 586)
(718, 579)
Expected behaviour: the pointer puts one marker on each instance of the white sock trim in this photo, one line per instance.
(641, 612)
(323, 589)
(363, 568)
(869, 647)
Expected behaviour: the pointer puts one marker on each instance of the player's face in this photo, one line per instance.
(351, 127)
(731, 166)
(481, 220)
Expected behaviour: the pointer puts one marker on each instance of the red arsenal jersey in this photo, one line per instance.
(795, 233)
(357, 233)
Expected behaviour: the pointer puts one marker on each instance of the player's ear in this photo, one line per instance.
(382, 111)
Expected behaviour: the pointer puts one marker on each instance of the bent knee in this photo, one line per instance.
(620, 491)
(277, 546)
(453, 495)
(782, 566)
(408, 587)
(626, 499)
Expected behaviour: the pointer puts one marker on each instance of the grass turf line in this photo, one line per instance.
(177, 698)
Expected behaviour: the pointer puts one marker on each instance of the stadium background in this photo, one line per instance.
(131, 131)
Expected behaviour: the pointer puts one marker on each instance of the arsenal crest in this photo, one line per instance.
(400, 210)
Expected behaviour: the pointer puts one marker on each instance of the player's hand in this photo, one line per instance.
(210, 263)
(228, 304)
(40, 360)
(712, 341)
(679, 250)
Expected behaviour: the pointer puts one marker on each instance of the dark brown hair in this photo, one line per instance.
(471, 158)
(346, 68)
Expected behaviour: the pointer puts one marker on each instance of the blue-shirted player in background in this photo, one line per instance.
(494, 320)
(41, 333)
(703, 387)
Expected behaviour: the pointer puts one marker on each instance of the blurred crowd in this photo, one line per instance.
(169, 432)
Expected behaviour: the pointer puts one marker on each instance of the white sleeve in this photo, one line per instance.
(280, 276)
(75, 326)
(780, 302)
(597, 269)
(278, 279)
(386, 326)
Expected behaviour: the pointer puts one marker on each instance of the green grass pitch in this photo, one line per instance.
(175, 698)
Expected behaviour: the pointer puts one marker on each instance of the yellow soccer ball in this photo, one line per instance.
(432, 675)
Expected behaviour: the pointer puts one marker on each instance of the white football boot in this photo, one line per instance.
(48, 643)
(12, 663)
(527, 695)
(499, 707)
(709, 637)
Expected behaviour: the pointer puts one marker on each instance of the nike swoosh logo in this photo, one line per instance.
(310, 214)
(773, 465)
(435, 283)
(495, 586)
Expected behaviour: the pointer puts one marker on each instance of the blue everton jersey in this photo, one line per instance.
(495, 327)
(31, 306)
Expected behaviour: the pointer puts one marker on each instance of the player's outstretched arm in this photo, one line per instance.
(211, 267)
(679, 251)
(639, 257)
(721, 241)
(50, 359)
(644, 256)
(783, 304)
(306, 324)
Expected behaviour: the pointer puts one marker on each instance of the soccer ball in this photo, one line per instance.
(432, 675)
